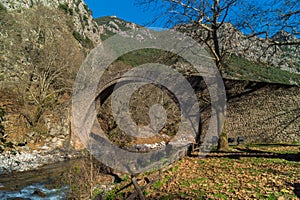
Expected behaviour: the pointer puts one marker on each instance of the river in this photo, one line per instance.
(44, 183)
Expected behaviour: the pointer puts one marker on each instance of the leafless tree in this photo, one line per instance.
(42, 58)
(206, 19)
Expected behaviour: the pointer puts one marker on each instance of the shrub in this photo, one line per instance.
(84, 41)
(86, 7)
(78, 2)
(88, 43)
(78, 36)
(71, 12)
(3, 142)
(66, 8)
(2, 7)
(85, 18)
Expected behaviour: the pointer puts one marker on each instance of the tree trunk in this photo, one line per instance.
(223, 138)
(221, 119)
(223, 142)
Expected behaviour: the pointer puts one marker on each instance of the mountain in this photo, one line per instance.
(110, 25)
(41, 50)
(252, 48)
(267, 62)
(247, 57)
(283, 36)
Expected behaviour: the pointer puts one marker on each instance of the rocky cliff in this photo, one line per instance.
(253, 48)
(111, 25)
(246, 57)
(77, 9)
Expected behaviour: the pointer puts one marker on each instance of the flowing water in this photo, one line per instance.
(34, 192)
(44, 183)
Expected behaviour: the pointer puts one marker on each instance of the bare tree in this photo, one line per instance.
(42, 59)
(203, 20)
(207, 20)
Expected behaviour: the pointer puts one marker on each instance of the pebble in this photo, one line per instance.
(27, 160)
(26, 148)
(22, 161)
(147, 147)
(45, 147)
(54, 139)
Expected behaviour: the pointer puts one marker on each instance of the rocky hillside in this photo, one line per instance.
(111, 25)
(86, 28)
(285, 57)
(248, 58)
(255, 49)
(41, 50)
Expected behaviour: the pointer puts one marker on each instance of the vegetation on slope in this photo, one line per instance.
(236, 67)
(112, 25)
(40, 58)
(242, 69)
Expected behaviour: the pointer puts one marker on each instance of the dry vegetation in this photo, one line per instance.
(259, 172)
(40, 58)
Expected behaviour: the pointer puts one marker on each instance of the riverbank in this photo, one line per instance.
(74, 178)
(35, 184)
(24, 161)
(45, 182)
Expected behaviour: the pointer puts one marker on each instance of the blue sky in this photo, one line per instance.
(126, 10)
(129, 11)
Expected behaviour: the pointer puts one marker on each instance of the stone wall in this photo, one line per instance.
(260, 112)
(263, 112)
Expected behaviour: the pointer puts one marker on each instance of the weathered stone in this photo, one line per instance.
(54, 139)
(39, 193)
(266, 114)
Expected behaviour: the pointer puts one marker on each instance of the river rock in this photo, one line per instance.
(25, 148)
(60, 143)
(147, 147)
(23, 161)
(45, 147)
(39, 193)
(54, 139)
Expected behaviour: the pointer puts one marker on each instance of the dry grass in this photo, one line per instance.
(243, 174)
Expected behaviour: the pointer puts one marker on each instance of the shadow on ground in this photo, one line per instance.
(246, 152)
